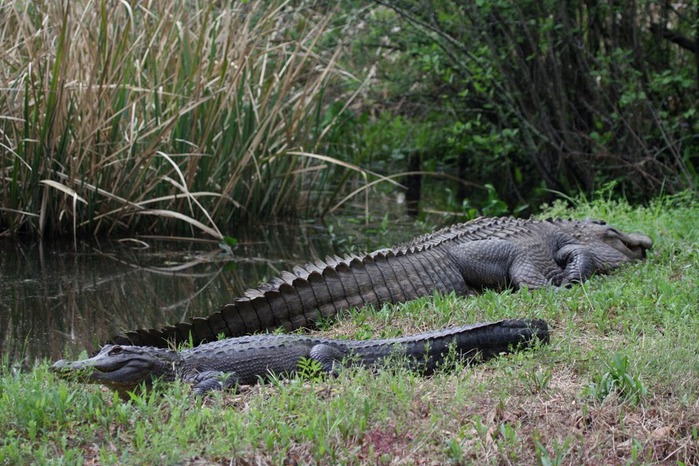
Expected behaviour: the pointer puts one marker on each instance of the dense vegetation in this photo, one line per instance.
(618, 384)
(533, 96)
(126, 117)
(152, 117)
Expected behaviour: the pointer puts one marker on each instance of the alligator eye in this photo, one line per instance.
(116, 350)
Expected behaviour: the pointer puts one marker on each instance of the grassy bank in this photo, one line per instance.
(159, 117)
(617, 385)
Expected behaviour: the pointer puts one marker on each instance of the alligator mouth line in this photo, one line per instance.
(637, 251)
(77, 370)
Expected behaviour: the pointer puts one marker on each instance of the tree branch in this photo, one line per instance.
(675, 37)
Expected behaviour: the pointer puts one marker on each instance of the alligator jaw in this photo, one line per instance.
(121, 368)
(632, 245)
(639, 244)
(89, 370)
(86, 372)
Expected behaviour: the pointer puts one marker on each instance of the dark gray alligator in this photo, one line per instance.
(246, 360)
(465, 258)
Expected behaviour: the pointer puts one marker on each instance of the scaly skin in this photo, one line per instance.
(465, 259)
(245, 360)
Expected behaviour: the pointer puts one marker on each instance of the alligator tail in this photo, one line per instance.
(317, 291)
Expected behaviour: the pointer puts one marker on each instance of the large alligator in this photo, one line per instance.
(465, 258)
(246, 360)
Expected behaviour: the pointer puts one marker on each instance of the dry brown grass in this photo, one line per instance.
(612, 432)
(156, 116)
(501, 422)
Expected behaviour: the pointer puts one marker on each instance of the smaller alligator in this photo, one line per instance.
(246, 360)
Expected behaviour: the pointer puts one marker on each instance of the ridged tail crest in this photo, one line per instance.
(316, 291)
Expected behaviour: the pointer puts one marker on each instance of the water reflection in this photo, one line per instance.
(55, 300)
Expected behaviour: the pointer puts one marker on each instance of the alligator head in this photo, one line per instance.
(121, 368)
(620, 247)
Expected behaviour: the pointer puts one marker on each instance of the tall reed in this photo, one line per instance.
(158, 116)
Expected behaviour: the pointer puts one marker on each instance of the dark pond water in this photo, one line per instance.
(56, 300)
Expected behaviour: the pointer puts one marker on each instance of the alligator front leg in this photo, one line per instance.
(578, 264)
(212, 380)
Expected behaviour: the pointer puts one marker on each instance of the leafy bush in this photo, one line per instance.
(534, 97)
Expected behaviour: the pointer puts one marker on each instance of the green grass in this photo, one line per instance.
(618, 384)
